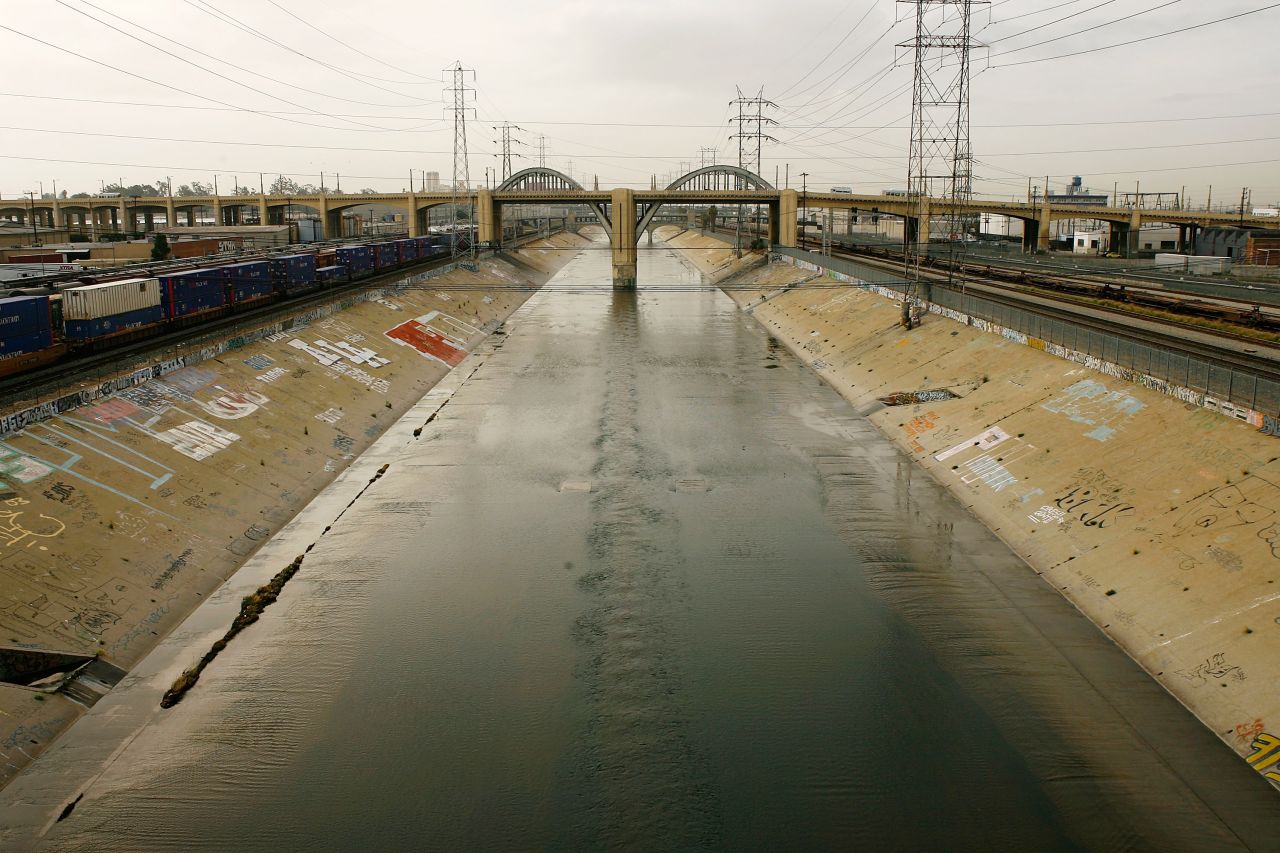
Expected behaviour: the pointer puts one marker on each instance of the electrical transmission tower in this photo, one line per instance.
(751, 137)
(940, 160)
(506, 142)
(706, 157)
(542, 152)
(460, 246)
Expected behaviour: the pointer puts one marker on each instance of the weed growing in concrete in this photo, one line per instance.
(251, 608)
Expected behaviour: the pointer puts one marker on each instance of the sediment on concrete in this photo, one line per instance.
(1158, 519)
(118, 518)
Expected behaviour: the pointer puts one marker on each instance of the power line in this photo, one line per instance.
(188, 47)
(228, 18)
(120, 70)
(189, 62)
(1086, 30)
(350, 47)
(1138, 40)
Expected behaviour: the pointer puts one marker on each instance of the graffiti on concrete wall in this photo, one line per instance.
(1247, 507)
(437, 336)
(1091, 403)
(1093, 507)
(984, 440)
(1266, 753)
(1213, 667)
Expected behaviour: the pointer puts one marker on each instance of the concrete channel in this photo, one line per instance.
(647, 571)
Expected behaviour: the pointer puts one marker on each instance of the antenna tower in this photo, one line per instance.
(751, 137)
(461, 246)
(940, 161)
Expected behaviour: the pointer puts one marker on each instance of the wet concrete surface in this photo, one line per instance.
(761, 628)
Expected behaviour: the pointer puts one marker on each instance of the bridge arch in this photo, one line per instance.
(541, 178)
(720, 177)
(538, 178)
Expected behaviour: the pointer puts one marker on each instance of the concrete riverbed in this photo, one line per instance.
(636, 577)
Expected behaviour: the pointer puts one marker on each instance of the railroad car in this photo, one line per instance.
(106, 310)
(357, 259)
(93, 312)
(247, 282)
(385, 256)
(188, 294)
(294, 273)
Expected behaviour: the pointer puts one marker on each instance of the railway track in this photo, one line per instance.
(1228, 349)
(41, 381)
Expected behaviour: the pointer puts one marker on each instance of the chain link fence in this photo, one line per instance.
(1191, 377)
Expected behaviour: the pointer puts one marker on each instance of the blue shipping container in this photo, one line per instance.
(358, 259)
(85, 330)
(11, 345)
(248, 271)
(22, 316)
(385, 255)
(293, 269)
(245, 291)
(184, 295)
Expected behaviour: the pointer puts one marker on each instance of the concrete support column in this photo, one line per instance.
(217, 212)
(412, 216)
(262, 210)
(323, 206)
(788, 210)
(624, 238)
(923, 218)
(148, 221)
(191, 217)
(488, 219)
(1135, 232)
(170, 214)
(125, 225)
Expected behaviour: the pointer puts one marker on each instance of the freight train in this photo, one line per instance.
(100, 313)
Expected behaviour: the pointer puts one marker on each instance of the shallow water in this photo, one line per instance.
(761, 628)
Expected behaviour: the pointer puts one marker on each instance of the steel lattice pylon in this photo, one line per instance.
(459, 245)
(751, 137)
(940, 160)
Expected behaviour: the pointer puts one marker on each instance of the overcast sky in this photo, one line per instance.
(628, 90)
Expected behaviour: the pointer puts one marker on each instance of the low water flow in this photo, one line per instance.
(761, 628)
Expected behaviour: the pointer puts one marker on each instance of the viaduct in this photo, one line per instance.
(624, 213)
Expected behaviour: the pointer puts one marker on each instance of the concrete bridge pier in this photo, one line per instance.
(624, 238)
(783, 225)
(488, 219)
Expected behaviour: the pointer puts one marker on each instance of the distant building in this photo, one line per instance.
(432, 181)
(1241, 245)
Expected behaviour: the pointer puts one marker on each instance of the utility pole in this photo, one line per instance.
(35, 235)
(941, 154)
(461, 164)
(1245, 196)
(751, 137)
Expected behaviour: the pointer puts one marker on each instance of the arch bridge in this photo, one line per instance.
(623, 212)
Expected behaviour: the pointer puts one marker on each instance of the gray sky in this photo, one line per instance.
(628, 90)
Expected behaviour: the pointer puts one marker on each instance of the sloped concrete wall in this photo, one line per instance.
(118, 518)
(1158, 519)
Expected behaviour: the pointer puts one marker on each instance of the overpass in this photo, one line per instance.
(624, 213)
